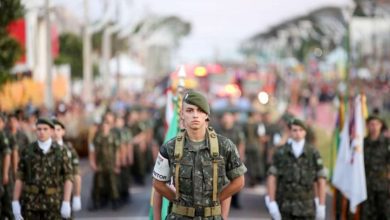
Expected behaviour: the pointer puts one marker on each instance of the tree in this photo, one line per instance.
(71, 50)
(10, 50)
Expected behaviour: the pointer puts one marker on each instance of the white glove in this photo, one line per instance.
(16, 210)
(267, 201)
(76, 203)
(320, 212)
(274, 210)
(65, 209)
(317, 201)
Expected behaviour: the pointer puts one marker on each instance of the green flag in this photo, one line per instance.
(173, 129)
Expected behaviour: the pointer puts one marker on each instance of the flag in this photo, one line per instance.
(173, 128)
(336, 135)
(339, 179)
(349, 174)
(357, 192)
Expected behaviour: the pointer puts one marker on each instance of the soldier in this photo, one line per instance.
(233, 131)
(124, 139)
(254, 150)
(5, 163)
(295, 168)
(138, 130)
(377, 166)
(44, 178)
(59, 132)
(106, 150)
(18, 138)
(206, 167)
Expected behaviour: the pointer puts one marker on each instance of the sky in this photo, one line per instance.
(218, 26)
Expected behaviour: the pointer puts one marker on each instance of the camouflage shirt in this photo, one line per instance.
(295, 179)
(106, 148)
(196, 171)
(43, 176)
(4, 150)
(377, 163)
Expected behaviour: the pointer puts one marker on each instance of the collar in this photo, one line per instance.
(60, 142)
(191, 148)
(45, 145)
(305, 150)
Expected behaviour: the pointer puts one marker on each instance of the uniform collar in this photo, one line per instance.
(191, 148)
(305, 149)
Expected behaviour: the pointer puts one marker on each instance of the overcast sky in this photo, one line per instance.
(218, 26)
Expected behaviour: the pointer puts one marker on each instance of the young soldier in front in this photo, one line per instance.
(200, 162)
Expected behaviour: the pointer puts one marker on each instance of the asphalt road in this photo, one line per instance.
(252, 200)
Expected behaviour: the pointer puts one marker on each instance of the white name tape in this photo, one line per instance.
(161, 169)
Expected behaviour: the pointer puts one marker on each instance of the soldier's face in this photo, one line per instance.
(58, 133)
(193, 117)
(374, 127)
(44, 132)
(297, 133)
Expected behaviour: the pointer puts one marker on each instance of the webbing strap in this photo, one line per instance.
(179, 145)
(177, 180)
(215, 180)
(214, 151)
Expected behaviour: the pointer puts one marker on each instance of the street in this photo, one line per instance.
(252, 201)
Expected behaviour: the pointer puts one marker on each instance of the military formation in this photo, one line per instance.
(201, 170)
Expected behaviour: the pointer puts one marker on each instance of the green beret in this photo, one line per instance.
(45, 121)
(374, 117)
(57, 122)
(195, 98)
(297, 122)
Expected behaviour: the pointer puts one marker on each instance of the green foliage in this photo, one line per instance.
(71, 51)
(10, 10)
(10, 50)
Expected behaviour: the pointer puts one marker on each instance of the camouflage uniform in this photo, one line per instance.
(139, 164)
(5, 191)
(105, 185)
(295, 179)
(254, 159)
(236, 135)
(196, 172)
(377, 166)
(43, 176)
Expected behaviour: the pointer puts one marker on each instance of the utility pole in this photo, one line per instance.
(87, 66)
(49, 92)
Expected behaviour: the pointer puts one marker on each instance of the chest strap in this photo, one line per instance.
(214, 152)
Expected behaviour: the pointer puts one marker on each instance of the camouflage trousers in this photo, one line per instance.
(376, 207)
(173, 216)
(5, 203)
(41, 215)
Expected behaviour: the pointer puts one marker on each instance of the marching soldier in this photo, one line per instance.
(106, 152)
(295, 169)
(59, 132)
(230, 129)
(44, 178)
(377, 167)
